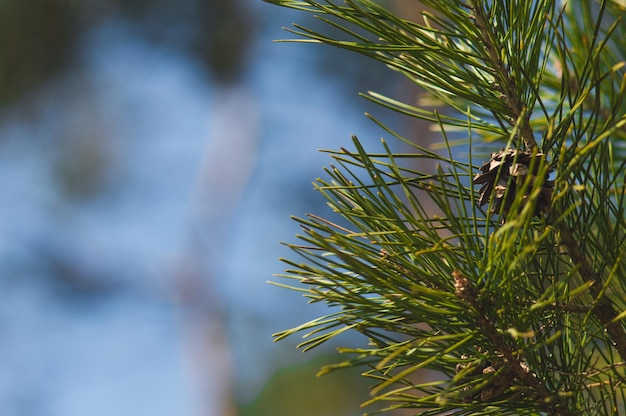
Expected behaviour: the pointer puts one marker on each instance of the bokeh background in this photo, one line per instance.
(151, 153)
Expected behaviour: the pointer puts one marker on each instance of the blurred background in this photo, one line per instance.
(151, 153)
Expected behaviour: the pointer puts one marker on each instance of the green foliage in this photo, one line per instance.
(520, 310)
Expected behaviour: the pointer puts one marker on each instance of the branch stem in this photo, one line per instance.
(467, 292)
(602, 309)
(503, 78)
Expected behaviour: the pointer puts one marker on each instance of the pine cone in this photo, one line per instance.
(508, 169)
(498, 374)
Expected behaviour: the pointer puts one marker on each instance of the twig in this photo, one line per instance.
(467, 292)
(505, 82)
(602, 309)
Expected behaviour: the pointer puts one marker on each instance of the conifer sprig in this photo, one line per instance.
(518, 306)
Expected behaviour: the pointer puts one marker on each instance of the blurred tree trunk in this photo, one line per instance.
(221, 181)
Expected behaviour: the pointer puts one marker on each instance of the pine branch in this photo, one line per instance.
(543, 322)
(603, 309)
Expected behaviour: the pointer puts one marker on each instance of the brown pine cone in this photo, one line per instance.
(508, 170)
